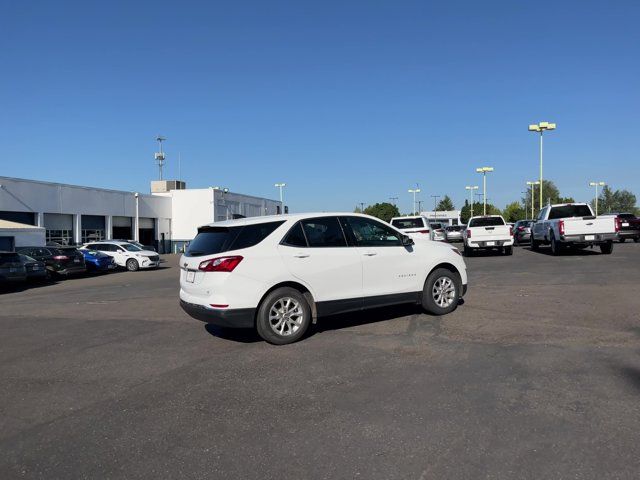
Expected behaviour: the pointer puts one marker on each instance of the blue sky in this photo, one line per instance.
(344, 101)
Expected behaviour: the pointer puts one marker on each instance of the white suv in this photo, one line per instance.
(126, 254)
(412, 224)
(278, 274)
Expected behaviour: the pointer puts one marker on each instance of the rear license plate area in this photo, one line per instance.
(191, 276)
(589, 237)
(490, 244)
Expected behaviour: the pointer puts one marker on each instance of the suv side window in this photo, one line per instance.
(324, 232)
(370, 233)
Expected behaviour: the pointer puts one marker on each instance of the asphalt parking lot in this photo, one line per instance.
(536, 375)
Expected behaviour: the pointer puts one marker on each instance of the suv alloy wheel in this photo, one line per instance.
(283, 317)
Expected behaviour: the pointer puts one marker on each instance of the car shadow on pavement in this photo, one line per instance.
(333, 322)
(240, 335)
(364, 317)
(28, 285)
(569, 252)
(631, 374)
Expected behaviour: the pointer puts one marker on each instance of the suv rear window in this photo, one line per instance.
(486, 222)
(212, 240)
(567, 211)
(407, 223)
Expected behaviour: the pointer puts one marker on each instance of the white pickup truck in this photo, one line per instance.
(487, 232)
(572, 224)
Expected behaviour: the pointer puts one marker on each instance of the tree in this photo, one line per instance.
(445, 204)
(384, 211)
(550, 193)
(620, 201)
(465, 213)
(514, 212)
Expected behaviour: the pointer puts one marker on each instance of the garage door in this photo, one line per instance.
(122, 228)
(147, 231)
(59, 228)
(93, 228)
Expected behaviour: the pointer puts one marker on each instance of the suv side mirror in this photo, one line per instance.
(407, 241)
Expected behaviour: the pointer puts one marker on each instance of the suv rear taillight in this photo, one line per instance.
(61, 257)
(511, 231)
(521, 229)
(468, 233)
(561, 227)
(220, 264)
(618, 222)
(423, 231)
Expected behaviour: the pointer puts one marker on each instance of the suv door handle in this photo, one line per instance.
(301, 255)
(369, 253)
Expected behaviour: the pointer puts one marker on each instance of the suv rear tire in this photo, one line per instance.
(283, 317)
(441, 292)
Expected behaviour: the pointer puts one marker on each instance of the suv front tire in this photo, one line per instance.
(441, 292)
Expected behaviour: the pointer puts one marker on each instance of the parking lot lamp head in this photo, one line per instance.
(541, 128)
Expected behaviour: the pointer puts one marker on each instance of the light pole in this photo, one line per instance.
(471, 189)
(483, 171)
(414, 191)
(394, 200)
(361, 207)
(136, 234)
(435, 208)
(281, 186)
(540, 128)
(597, 184)
(533, 189)
(419, 206)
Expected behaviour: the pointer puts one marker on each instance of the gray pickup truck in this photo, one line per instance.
(572, 224)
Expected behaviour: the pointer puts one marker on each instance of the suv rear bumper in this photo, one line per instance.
(232, 318)
(71, 270)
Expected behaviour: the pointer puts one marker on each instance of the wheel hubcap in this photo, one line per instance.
(286, 316)
(443, 292)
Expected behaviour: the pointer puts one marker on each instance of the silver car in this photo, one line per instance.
(454, 233)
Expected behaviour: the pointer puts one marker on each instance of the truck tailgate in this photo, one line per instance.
(498, 232)
(587, 226)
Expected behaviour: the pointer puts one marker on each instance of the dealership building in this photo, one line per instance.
(166, 218)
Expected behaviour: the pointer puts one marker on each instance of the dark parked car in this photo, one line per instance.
(97, 261)
(36, 270)
(11, 268)
(522, 232)
(62, 261)
(628, 227)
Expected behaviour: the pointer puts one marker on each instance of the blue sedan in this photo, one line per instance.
(97, 261)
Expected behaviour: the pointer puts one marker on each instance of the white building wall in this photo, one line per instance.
(25, 237)
(22, 195)
(190, 210)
